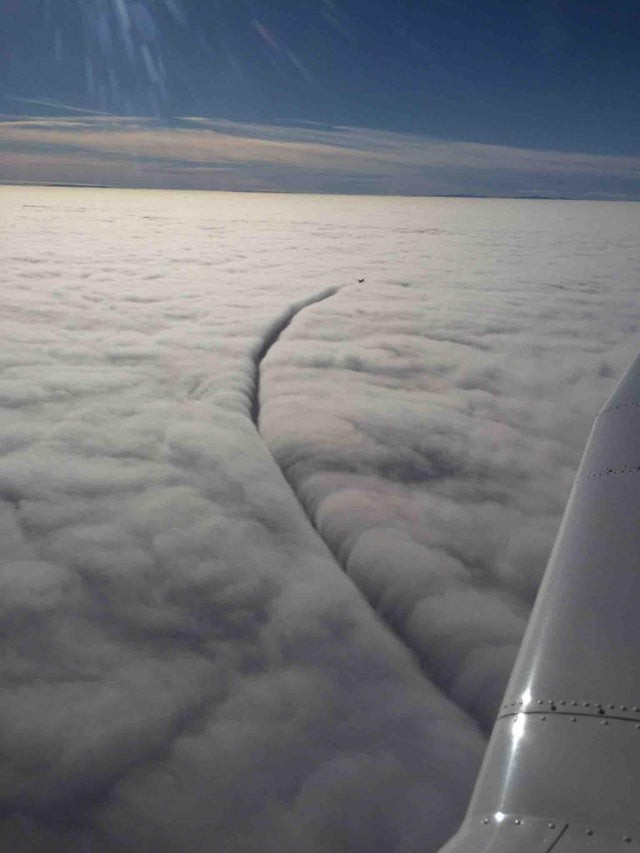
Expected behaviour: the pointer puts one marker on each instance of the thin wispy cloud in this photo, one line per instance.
(56, 105)
(197, 153)
(529, 77)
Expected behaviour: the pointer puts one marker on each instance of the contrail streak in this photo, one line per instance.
(58, 105)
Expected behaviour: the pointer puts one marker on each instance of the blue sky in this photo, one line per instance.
(553, 75)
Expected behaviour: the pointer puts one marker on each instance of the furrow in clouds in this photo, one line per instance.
(271, 337)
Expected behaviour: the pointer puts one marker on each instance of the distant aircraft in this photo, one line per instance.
(360, 280)
(562, 769)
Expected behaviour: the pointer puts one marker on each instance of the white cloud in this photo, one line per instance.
(436, 434)
(187, 666)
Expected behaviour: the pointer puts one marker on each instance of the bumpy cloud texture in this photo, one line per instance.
(187, 664)
(441, 410)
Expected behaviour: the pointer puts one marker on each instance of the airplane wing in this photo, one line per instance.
(562, 769)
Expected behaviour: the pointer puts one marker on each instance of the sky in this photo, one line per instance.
(549, 76)
(279, 477)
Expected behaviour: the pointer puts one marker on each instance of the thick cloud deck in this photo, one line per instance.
(186, 666)
(441, 409)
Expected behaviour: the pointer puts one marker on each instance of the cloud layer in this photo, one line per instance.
(431, 417)
(187, 665)
(196, 153)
